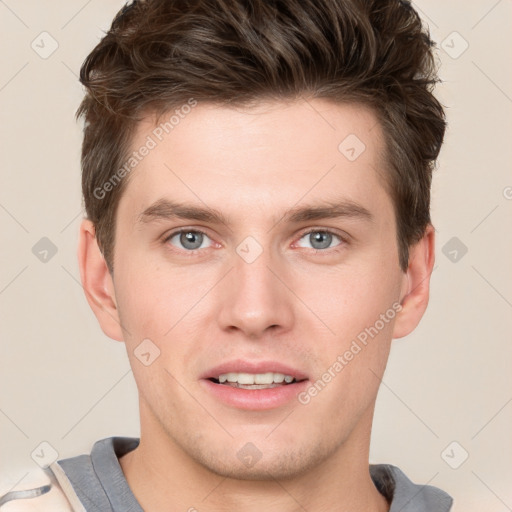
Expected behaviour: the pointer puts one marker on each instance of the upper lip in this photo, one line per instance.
(243, 366)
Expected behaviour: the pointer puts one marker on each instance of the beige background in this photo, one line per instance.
(63, 382)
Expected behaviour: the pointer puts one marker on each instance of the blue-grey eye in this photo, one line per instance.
(189, 240)
(320, 239)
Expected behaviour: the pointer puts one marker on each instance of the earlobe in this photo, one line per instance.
(97, 282)
(416, 284)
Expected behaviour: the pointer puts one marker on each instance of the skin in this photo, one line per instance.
(290, 305)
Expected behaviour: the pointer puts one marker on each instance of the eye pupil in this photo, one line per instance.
(322, 237)
(193, 238)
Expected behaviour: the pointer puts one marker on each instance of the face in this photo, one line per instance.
(230, 263)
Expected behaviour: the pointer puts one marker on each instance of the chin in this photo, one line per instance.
(268, 464)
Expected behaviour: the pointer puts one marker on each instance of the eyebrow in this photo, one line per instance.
(165, 209)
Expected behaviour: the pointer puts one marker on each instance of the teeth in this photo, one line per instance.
(255, 378)
(278, 377)
(262, 378)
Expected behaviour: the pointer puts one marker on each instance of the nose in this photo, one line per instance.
(254, 298)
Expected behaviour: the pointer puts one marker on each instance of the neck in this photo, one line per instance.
(162, 477)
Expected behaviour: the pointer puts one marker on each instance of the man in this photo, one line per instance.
(256, 177)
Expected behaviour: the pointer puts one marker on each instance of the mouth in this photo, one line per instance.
(254, 386)
(266, 380)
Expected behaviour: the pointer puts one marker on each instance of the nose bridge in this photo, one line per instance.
(254, 298)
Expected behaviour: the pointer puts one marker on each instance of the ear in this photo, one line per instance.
(416, 284)
(97, 282)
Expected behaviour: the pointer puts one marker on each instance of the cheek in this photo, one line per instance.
(350, 299)
(157, 301)
(359, 305)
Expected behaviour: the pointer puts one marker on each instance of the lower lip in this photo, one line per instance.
(254, 399)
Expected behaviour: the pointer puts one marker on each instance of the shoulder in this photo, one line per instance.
(67, 484)
(405, 495)
(38, 491)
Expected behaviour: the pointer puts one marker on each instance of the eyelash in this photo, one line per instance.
(195, 252)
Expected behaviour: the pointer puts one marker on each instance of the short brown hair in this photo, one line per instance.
(160, 53)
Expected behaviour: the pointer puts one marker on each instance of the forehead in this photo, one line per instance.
(263, 158)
